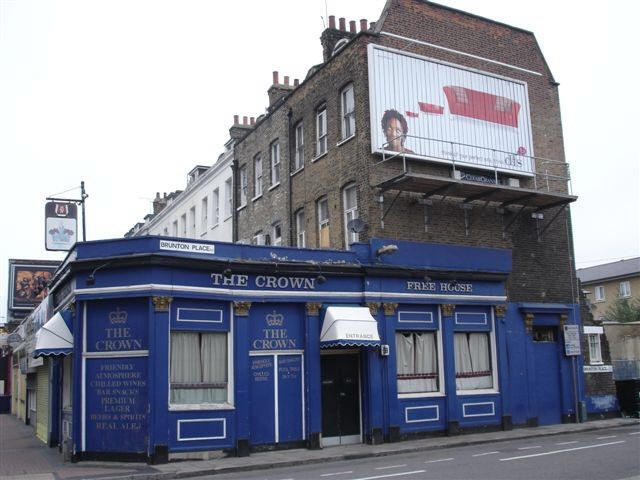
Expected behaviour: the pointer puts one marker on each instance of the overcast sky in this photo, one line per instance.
(129, 95)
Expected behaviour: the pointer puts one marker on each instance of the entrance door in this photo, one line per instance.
(549, 401)
(340, 399)
(277, 398)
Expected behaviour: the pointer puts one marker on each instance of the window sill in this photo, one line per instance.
(319, 157)
(257, 197)
(342, 142)
(295, 172)
(201, 406)
(421, 395)
(241, 207)
(596, 363)
(486, 391)
(274, 186)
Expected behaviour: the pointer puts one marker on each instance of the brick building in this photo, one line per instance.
(312, 151)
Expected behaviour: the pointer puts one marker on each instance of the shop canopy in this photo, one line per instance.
(349, 327)
(54, 337)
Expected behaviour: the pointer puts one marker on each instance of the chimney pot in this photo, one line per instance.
(286, 80)
(244, 120)
(252, 120)
(352, 26)
(235, 119)
(296, 82)
(363, 24)
(275, 78)
(342, 24)
(157, 195)
(332, 21)
(372, 25)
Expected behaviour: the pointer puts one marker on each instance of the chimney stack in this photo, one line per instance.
(236, 119)
(342, 24)
(245, 120)
(296, 82)
(372, 26)
(332, 22)
(286, 80)
(363, 24)
(252, 120)
(275, 78)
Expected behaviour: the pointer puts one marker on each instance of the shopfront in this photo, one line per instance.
(178, 347)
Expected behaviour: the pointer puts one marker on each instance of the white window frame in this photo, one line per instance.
(299, 147)
(230, 377)
(624, 289)
(274, 160)
(300, 230)
(215, 205)
(493, 359)
(192, 222)
(350, 213)
(175, 228)
(244, 185)
(183, 226)
(348, 112)
(323, 221)
(276, 234)
(228, 191)
(599, 293)
(595, 348)
(204, 215)
(321, 131)
(257, 176)
(441, 389)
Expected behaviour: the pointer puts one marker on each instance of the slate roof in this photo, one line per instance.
(621, 268)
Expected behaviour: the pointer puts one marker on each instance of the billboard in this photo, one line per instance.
(446, 113)
(28, 283)
(61, 225)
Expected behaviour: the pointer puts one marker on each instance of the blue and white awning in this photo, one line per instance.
(54, 337)
(349, 327)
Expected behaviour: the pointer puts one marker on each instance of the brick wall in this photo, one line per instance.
(542, 265)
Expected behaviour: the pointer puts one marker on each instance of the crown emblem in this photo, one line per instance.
(118, 317)
(275, 319)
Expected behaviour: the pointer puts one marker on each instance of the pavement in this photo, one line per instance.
(24, 457)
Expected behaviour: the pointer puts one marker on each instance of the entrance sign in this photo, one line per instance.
(61, 225)
(571, 340)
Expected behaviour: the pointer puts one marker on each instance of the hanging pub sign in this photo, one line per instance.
(61, 225)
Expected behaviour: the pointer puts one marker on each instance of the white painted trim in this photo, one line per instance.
(188, 407)
(117, 354)
(178, 319)
(83, 387)
(471, 313)
(421, 395)
(406, 414)
(420, 322)
(276, 405)
(439, 47)
(465, 405)
(367, 296)
(202, 420)
(257, 353)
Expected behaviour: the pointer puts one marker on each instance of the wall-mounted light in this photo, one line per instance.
(91, 278)
(386, 249)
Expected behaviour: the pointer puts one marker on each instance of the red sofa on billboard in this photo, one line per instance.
(482, 106)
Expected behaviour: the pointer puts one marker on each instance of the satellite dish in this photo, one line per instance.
(357, 226)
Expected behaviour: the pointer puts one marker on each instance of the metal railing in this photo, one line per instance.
(546, 174)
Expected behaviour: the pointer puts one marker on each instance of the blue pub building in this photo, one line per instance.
(183, 346)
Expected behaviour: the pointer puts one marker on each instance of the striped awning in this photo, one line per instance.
(349, 327)
(54, 337)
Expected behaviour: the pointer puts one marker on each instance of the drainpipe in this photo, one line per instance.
(234, 202)
(289, 201)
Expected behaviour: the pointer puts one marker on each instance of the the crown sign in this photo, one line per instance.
(275, 319)
(118, 317)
